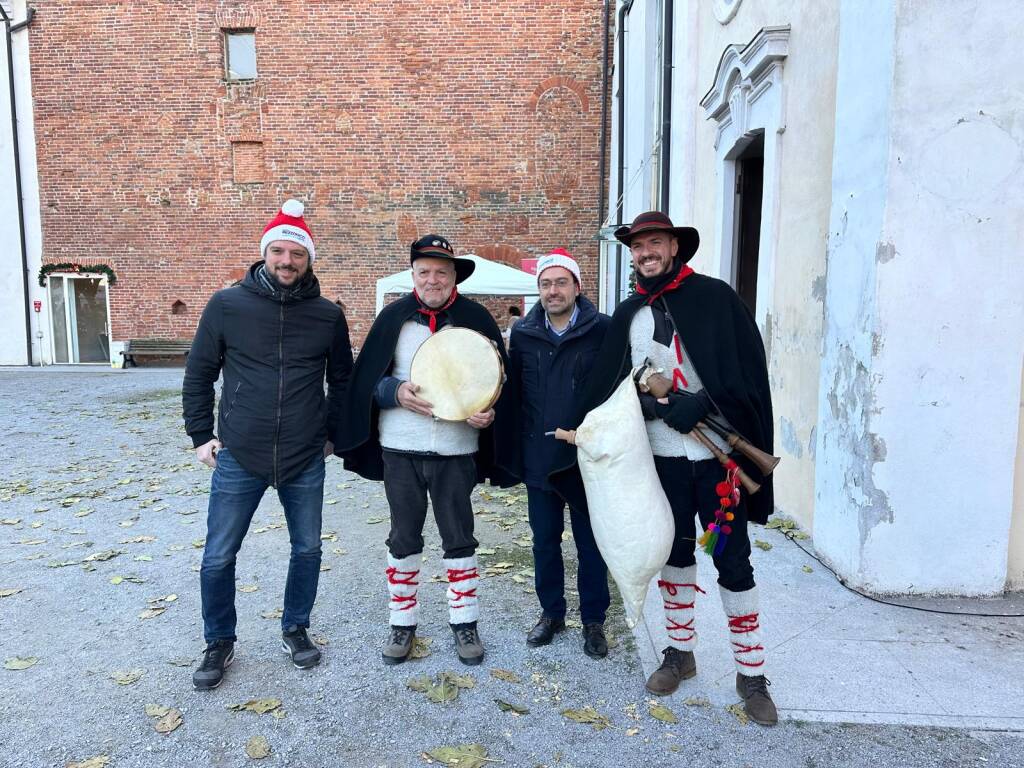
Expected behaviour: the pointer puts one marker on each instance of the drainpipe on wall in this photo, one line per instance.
(620, 65)
(666, 106)
(10, 30)
(601, 193)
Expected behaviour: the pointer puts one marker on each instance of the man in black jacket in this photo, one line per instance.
(390, 434)
(698, 331)
(550, 355)
(274, 338)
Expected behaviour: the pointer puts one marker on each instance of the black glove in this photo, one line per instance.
(649, 406)
(684, 411)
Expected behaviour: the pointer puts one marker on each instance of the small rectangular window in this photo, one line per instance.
(240, 54)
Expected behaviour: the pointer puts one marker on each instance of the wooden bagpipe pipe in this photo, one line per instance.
(649, 379)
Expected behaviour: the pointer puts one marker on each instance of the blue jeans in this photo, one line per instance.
(547, 520)
(234, 496)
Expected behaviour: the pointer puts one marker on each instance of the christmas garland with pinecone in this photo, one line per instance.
(102, 269)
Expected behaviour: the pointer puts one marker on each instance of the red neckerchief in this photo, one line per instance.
(433, 313)
(684, 272)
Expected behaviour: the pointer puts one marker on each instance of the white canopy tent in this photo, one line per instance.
(488, 279)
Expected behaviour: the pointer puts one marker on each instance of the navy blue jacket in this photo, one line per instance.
(547, 375)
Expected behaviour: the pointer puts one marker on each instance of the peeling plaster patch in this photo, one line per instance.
(789, 439)
(885, 252)
(852, 400)
(768, 339)
(818, 288)
(877, 343)
(812, 443)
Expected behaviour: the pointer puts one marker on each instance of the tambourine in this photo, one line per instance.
(459, 371)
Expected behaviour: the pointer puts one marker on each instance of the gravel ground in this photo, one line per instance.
(103, 519)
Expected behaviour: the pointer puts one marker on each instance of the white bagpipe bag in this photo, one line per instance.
(630, 515)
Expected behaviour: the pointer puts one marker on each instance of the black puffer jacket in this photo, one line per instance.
(274, 348)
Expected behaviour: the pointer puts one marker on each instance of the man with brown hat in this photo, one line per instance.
(391, 435)
(696, 329)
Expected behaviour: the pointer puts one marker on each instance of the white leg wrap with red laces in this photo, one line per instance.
(463, 580)
(679, 595)
(743, 614)
(403, 580)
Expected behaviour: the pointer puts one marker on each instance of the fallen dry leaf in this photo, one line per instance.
(461, 756)
(19, 662)
(257, 747)
(460, 681)
(152, 613)
(420, 647)
(274, 613)
(587, 716)
(663, 713)
(504, 674)
(632, 731)
(248, 587)
(10, 592)
(739, 712)
(762, 545)
(507, 706)
(169, 722)
(99, 761)
(420, 683)
(127, 677)
(259, 706)
(156, 710)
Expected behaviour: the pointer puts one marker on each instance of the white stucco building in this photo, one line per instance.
(852, 167)
(20, 234)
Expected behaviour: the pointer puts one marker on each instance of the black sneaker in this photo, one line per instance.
(216, 658)
(296, 643)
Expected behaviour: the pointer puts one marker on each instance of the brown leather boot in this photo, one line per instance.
(677, 666)
(757, 702)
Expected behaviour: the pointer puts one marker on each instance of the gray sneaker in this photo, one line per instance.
(399, 644)
(468, 644)
(296, 643)
(216, 658)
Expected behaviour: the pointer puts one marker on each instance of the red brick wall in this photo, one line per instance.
(475, 120)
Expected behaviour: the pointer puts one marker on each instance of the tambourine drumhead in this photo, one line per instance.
(458, 371)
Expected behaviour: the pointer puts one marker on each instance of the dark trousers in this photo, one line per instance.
(449, 480)
(547, 520)
(234, 496)
(690, 488)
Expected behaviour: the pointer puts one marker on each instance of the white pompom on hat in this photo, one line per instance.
(559, 257)
(289, 225)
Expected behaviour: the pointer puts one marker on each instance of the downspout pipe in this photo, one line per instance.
(10, 29)
(601, 192)
(666, 106)
(620, 66)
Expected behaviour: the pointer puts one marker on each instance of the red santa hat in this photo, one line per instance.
(289, 225)
(559, 257)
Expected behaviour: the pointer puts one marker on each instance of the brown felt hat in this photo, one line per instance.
(651, 221)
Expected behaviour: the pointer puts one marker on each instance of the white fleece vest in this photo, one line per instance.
(665, 441)
(403, 430)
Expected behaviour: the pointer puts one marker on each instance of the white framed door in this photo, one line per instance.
(79, 319)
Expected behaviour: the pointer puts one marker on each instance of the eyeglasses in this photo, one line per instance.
(562, 282)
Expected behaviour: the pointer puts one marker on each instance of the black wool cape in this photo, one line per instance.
(725, 346)
(359, 445)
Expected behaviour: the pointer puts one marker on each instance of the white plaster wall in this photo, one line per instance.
(951, 299)
(846, 450)
(792, 320)
(13, 349)
(924, 337)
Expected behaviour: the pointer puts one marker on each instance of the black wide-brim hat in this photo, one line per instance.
(651, 221)
(437, 247)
